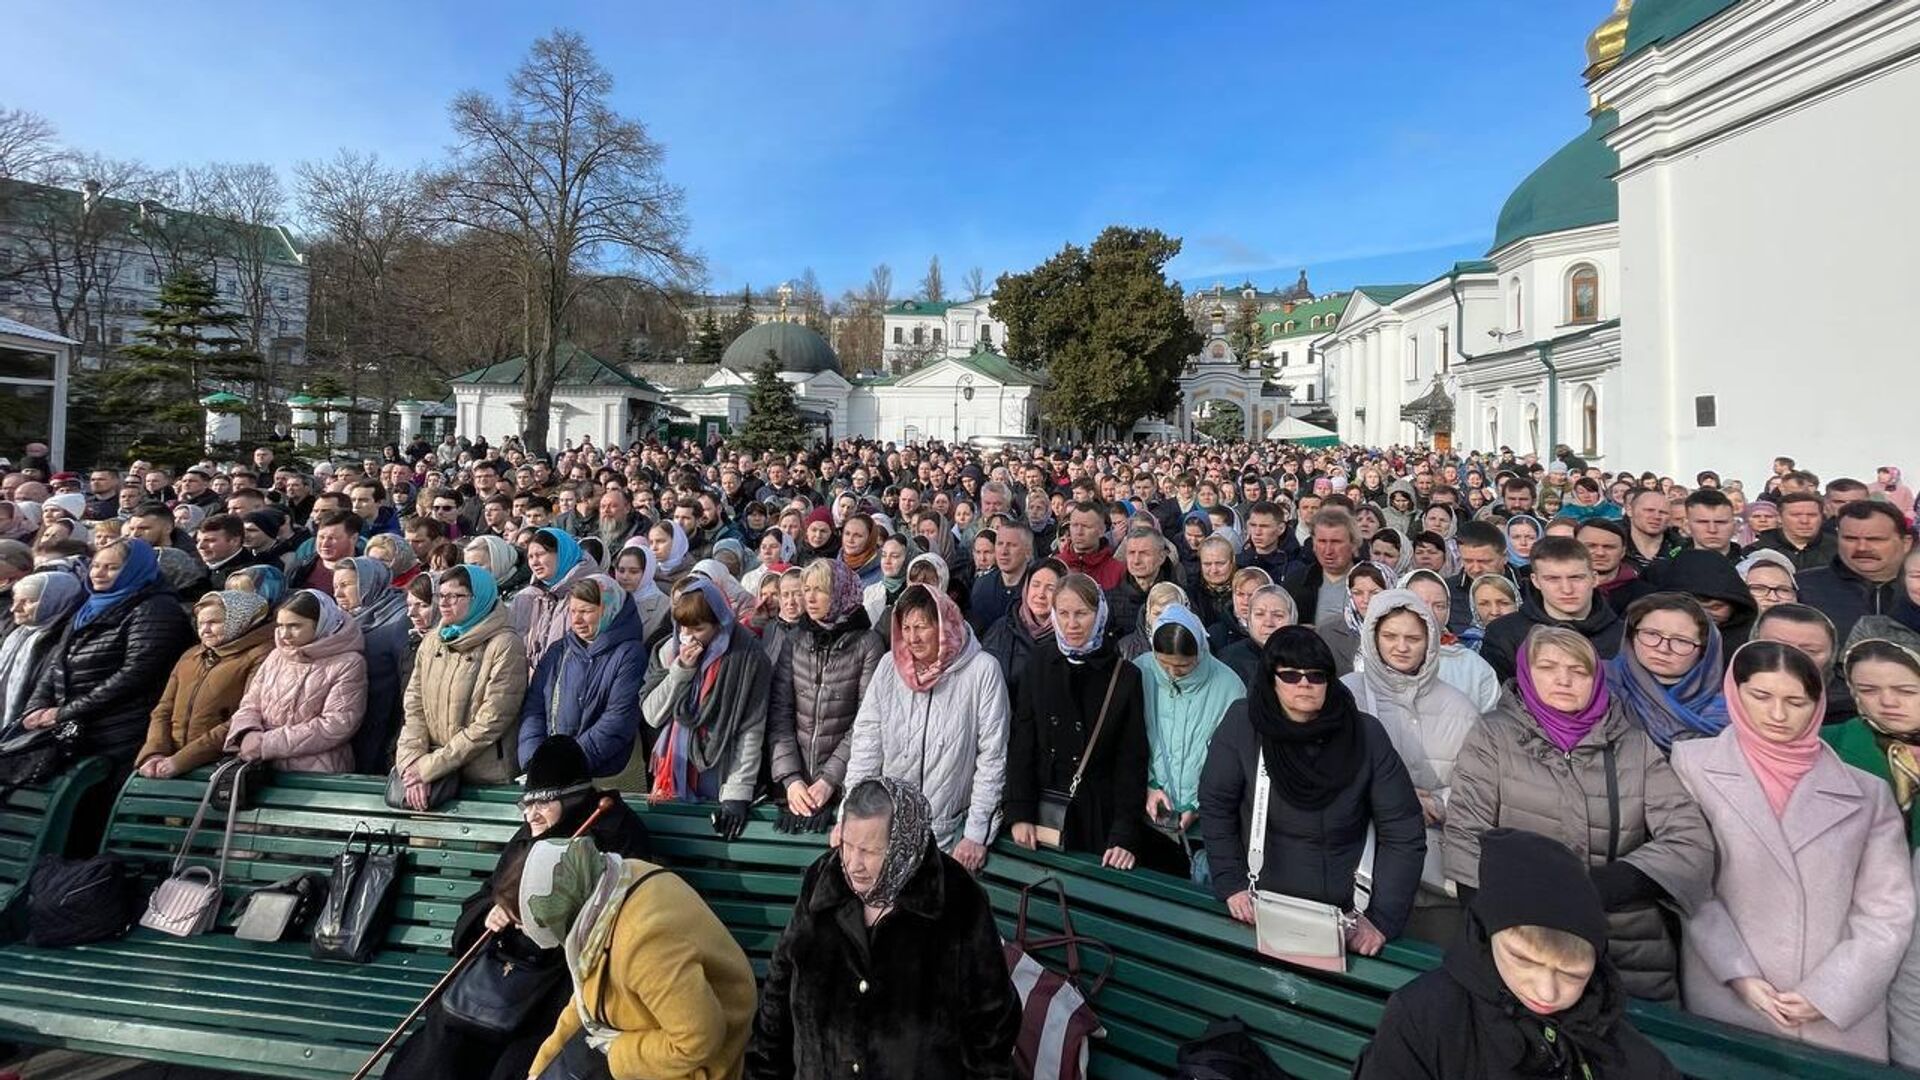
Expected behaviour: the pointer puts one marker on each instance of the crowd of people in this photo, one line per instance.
(1603, 734)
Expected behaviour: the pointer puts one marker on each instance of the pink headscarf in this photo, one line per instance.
(954, 632)
(1777, 766)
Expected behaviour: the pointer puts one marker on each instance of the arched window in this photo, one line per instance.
(1583, 294)
(1532, 415)
(1313, 323)
(1589, 421)
(1493, 427)
(1331, 320)
(1519, 307)
(1289, 327)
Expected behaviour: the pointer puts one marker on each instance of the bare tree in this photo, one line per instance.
(933, 287)
(811, 300)
(976, 283)
(880, 285)
(76, 230)
(27, 145)
(572, 190)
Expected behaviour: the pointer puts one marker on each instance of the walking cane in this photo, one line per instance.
(606, 803)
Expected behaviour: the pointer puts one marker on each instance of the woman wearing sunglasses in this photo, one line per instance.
(1334, 774)
(1562, 756)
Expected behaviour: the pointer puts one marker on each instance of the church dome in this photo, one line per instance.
(798, 349)
(1571, 189)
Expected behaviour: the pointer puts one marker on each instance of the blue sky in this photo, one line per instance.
(1367, 141)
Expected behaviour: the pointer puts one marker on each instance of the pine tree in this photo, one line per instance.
(710, 343)
(773, 420)
(190, 347)
(742, 320)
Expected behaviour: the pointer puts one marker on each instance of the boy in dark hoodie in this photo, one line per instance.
(1525, 991)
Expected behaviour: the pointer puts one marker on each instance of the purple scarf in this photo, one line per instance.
(1564, 730)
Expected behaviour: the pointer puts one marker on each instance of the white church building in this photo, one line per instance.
(1733, 150)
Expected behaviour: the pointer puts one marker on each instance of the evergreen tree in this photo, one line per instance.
(742, 320)
(710, 343)
(773, 420)
(190, 347)
(1244, 335)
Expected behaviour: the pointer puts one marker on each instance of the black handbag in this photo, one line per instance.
(498, 993)
(230, 774)
(34, 757)
(1050, 830)
(75, 901)
(272, 912)
(439, 791)
(360, 894)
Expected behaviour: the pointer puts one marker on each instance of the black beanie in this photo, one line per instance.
(557, 769)
(1530, 880)
(267, 520)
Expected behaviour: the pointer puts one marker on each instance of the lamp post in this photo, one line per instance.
(963, 390)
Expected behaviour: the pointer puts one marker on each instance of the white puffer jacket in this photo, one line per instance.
(1426, 718)
(1465, 671)
(951, 741)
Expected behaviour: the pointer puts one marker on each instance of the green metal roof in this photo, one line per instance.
(1386, 294)
(1473, 266)
(22, 201)
(1571, 189)
(1656, 22)
(1273, 323)
(799, 349)
(921, 307)
(992, 365)
(574, 366)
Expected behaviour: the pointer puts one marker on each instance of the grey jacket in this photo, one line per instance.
(828, 674)
(1509, 775)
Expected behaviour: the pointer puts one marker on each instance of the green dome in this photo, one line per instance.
(798, 348)
(1573, 188)
(1656, 22)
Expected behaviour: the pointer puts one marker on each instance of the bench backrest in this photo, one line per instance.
(34, 820)
(298, 822)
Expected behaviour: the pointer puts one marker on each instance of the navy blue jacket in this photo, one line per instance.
(591, 691)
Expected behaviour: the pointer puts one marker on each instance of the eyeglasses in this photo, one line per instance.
(1294, 677)
(444, 508)
(453, 597)
(1654, 639)
(1773, 592)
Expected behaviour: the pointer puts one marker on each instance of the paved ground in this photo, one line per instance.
(65, 1065)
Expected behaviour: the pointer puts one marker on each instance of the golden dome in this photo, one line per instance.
(1608, 41)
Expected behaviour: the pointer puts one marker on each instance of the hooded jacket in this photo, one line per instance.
(950, 740)
(538, 613)
(462, 707)
(1427, 719)
(1506, 633)
(189, 724)
(589, 690)
(1101, 565)
(306, 703)
(829, 671)
(1182, 714)
(1509, 775)
(889, 1000)
(1706, 575)
(108, 674)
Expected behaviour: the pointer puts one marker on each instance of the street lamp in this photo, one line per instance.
(962, 391)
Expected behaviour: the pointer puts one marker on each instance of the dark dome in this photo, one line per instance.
(1571, 189)
(798, 349)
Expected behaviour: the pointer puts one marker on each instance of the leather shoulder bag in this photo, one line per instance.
(187, 903)
(1291, 928)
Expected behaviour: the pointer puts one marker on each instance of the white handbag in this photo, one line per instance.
(1289, 928)
(187, 903)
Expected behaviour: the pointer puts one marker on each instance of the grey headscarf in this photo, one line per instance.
(909, 831)
(60, 595)
(241, 612)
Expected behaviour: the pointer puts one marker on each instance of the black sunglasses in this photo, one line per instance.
(1294, 676)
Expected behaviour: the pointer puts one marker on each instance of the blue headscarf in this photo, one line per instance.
(566, 555)
(268, 582)
(486, 594)
(1514, 558)
(1695, 707)
(141, 569)
(612, 599)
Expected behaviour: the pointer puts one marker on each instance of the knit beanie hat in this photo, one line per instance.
(1530, 880)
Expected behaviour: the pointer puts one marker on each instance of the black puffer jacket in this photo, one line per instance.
(109, 674)
(1012, 647)
(1506, 634)
(1053, 717)
(828, 671)
(924, 993)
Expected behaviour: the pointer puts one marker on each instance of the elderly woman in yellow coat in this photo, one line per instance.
(661, 991)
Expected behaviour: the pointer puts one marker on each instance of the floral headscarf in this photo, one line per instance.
(909, 832)
(954, 633)
(242, 611)
(1079, 653)
(844, 596)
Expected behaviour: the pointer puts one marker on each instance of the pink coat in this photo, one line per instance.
(1819, 900)
(306, 703)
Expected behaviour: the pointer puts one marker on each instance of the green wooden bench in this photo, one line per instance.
(272, 1010)
(1181, 963)
(34, 821)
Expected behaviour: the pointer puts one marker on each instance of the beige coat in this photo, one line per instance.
(1509, 775)
(463, 704)
(1818, 900)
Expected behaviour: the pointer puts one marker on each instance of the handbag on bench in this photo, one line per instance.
(187, 903)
